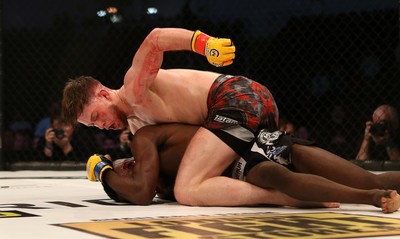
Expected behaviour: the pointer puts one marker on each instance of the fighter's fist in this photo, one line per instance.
(219, 51)
(96, 166)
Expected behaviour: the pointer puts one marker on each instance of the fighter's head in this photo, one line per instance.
(122, 167)
(76, 95)
(87, 101)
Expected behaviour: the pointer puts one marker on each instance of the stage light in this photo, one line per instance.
(101, 13)
(152, 10)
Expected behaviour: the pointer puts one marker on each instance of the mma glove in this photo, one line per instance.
(218, 51)
(96, 167)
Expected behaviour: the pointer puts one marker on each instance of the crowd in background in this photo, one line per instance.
(328, 73)
(379, 140)
(51, 141)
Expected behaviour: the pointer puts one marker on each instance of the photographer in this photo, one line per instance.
(381, 136)
(125, 139)
(57, 143)
(116, 144)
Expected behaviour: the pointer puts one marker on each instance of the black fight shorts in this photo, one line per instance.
(273, 146)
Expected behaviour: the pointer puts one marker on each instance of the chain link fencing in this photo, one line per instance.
(328, 66)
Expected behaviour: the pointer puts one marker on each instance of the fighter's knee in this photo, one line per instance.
(273, 175)
(184, 195)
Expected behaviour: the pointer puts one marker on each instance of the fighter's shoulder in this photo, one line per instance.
(153, 132)
(166, 127)
(161, 131)
(145, 131)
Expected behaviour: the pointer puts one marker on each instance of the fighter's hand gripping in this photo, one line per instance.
(96, 167)
(219, 51)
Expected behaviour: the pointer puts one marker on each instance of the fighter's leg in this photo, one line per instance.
(310, 187)
(314, 160)
(198, 183)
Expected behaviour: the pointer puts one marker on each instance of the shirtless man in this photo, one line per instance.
(226, 107)
(230, 109)
(382, 131)
(306, 173)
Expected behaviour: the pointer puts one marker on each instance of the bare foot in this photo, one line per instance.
(390, 202)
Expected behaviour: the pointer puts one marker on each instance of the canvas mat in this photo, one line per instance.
(64, 204)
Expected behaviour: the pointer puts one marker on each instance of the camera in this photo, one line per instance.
(130, 136)
(59, 133)
(378, 129)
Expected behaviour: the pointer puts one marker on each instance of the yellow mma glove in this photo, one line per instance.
(218, 51)
(96, 167)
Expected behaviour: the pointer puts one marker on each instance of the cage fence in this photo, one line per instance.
(328, 70)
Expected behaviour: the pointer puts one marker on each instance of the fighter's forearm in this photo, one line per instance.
(130, 190)
(149, 57)
(172, 39)
(139, 187)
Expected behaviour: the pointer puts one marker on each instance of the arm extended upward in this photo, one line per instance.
(148, 58)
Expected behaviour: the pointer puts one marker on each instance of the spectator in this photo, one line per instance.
(125, 139)
(99, 138)
(45, 123)
(16, 145)
(289, 127)
(18, 123)
(286, 125)
(22, 140)
(58, 144)
(107, 143)
(381, 136)
(335, 132)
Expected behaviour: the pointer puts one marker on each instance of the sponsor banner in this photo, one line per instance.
(263, 225)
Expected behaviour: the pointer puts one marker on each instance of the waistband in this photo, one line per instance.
(223, 78)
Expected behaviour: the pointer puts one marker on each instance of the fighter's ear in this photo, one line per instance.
(104, 93)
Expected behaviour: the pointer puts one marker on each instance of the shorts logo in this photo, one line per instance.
(226, 120)
(268, 138)
(278, 150)
(275, 155)
(238, 169)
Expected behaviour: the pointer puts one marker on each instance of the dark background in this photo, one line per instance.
(350, 48)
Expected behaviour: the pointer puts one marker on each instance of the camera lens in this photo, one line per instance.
(130, 136)
(378, 129)
(59, 133)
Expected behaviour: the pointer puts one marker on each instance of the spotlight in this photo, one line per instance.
(151, 11)
(101, 13)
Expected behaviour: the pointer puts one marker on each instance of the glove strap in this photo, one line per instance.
(199, 41)
(100, 169)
